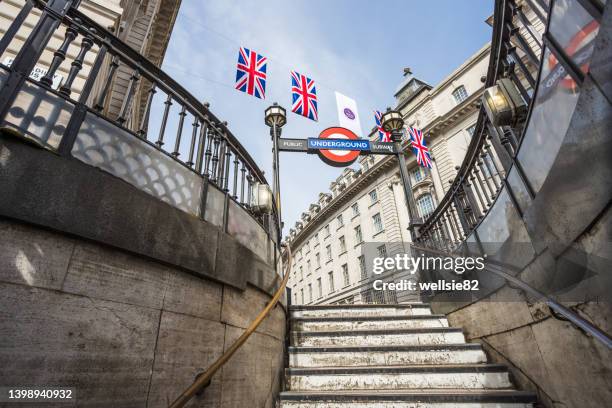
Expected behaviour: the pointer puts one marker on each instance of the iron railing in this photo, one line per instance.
(199, 142)
(516, 53)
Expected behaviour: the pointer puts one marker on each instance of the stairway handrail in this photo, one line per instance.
(567, 313)
(166, 82)
(215, 153)
(203, 380)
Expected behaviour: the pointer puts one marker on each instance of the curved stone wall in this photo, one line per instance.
(124, 297)
(124, 330)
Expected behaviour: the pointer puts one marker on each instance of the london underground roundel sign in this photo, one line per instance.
(345, 152)
(579, 48)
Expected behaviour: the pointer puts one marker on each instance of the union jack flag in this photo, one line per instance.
(304, 96)
(417, 141)
(251, 73)
(383, 136)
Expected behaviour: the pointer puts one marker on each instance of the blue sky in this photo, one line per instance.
(356, 47)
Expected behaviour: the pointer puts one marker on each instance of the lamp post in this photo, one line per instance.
(393, 123)
(275, 118)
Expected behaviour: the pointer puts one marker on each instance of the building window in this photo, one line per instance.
(378, 225)
(342, 244)
(460, 94)
(318, 260)
(328, 253)
(362, 268)
(319, 288)
(307, 245)
(358, 235)
(418, 174)
(309, 292)
(382, 251)
(355, 208)
(345, 274)
(316, 238)
(330, 276)
(425, 205)
(340, 221)
(302, 295)
(326, 229)
(308, 268)
(301, 273)
(295, 297)
(471, 130)
(373, 196)
(366, 166)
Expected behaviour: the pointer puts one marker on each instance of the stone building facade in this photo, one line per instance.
(366, 204)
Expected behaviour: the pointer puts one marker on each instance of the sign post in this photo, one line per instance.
(414, 220)
(340, 147)
(275, 118)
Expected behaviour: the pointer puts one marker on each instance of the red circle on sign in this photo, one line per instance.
(582, 37)
(338, 158)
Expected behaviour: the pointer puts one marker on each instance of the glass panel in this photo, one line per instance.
(40, 114)
(518, 189)
(247, 231)
(215, 203)
(550, 118)
(503, 235)
(104, 145)
(575, 30)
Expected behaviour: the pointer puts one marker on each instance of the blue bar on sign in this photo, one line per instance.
(338, 144)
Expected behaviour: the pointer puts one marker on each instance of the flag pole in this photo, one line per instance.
(393, 122)
(414, 222)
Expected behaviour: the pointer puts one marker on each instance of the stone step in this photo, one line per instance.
(468, 353)
(422, 377)
(449, 398)
(367, 323)
(404, 309)
(403, 337)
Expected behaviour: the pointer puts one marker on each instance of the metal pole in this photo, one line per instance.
(275, 166)
(412, 214)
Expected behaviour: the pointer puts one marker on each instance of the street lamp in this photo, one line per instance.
(276, 115)
(261, 200)
(503, 103)
(393, 123)
(276, 118)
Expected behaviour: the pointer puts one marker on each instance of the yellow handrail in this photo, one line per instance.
(205, 378)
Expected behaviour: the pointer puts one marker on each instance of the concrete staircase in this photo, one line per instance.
(384, 356)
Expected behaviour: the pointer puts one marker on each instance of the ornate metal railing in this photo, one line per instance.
(516, 53)
(199, 156)
(503, 170)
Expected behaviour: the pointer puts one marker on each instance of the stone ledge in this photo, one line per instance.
(63, 194)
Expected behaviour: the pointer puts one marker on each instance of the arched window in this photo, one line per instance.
(460, 94)
(425, 205)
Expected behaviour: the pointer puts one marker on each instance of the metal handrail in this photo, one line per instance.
(204, 379)
(567, 313)
(214, 152)
(160, 77)
(492, 152)
(479, 133)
